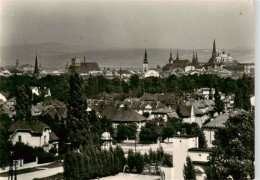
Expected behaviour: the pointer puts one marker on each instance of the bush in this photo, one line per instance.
(44, 157)
(139, 162)
(90, 162)
(167, 160)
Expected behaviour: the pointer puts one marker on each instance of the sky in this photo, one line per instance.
(98, 25)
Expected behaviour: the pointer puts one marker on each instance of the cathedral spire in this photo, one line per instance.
(214, 51)
(36, 69)
(177, 58)
(170, 59)
(145, 57)
(196, 55)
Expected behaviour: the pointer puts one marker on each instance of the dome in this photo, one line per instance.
(224, 55)
(106, 136)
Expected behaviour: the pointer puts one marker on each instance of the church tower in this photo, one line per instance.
(145, 63)
(36, 69)
(170, 59)
(177, 57)
(214, 52)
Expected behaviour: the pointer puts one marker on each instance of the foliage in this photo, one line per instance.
(233, 152)
(219, 105)
(89, 162)
(96, 85)
(194, 129)
(125, 131)
(77, 121)
(188, 171)
(150, 131)
(23, 102)
(167, 160)
(146, 114)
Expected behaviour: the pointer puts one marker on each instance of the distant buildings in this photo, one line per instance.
(83, 68)
(177, 63)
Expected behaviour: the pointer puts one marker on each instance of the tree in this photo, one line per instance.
(238, 103)
(219, 105)
(77, 121)
(125, 131)
(23, 103)
(139, 162)
(188, 171)
(245, 93)
(149, 132)
(167, 133)
(233, 152)
(194, 129)
(131, 160)
(125, 87)
(134, 81)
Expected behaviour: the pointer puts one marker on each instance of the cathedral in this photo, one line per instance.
(219, 58)
(176, 63)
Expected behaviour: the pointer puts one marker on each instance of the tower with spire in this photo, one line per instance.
(145, 62)
(170, 59)
(214, 51)
(36, 69)
(195, 60)
(177, 57)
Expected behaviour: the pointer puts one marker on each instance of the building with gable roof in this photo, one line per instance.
(33, 133)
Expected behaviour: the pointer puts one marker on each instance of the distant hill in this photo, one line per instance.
(53, 54)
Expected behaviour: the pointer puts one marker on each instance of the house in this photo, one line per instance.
(196, 111)
(211, 127)
(123, 115)
(164, 113)
(53, 108)
(33, 133)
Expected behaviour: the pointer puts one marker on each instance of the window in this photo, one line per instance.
(199, 154)
(207, 157)
(44, 139)
(20, 138)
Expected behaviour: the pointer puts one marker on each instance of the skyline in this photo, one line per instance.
(127, 24)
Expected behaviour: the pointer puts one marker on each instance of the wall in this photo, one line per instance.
(199, 156)
(210, 135)
(31, 140)
(27, 138)
(180, 152)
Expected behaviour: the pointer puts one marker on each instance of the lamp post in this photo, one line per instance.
(12, 172)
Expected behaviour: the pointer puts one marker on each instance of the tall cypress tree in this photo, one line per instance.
(219, 105)
(23, 102)
(245, 93)
(77, 121)
(188, 171)
(238, 103)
